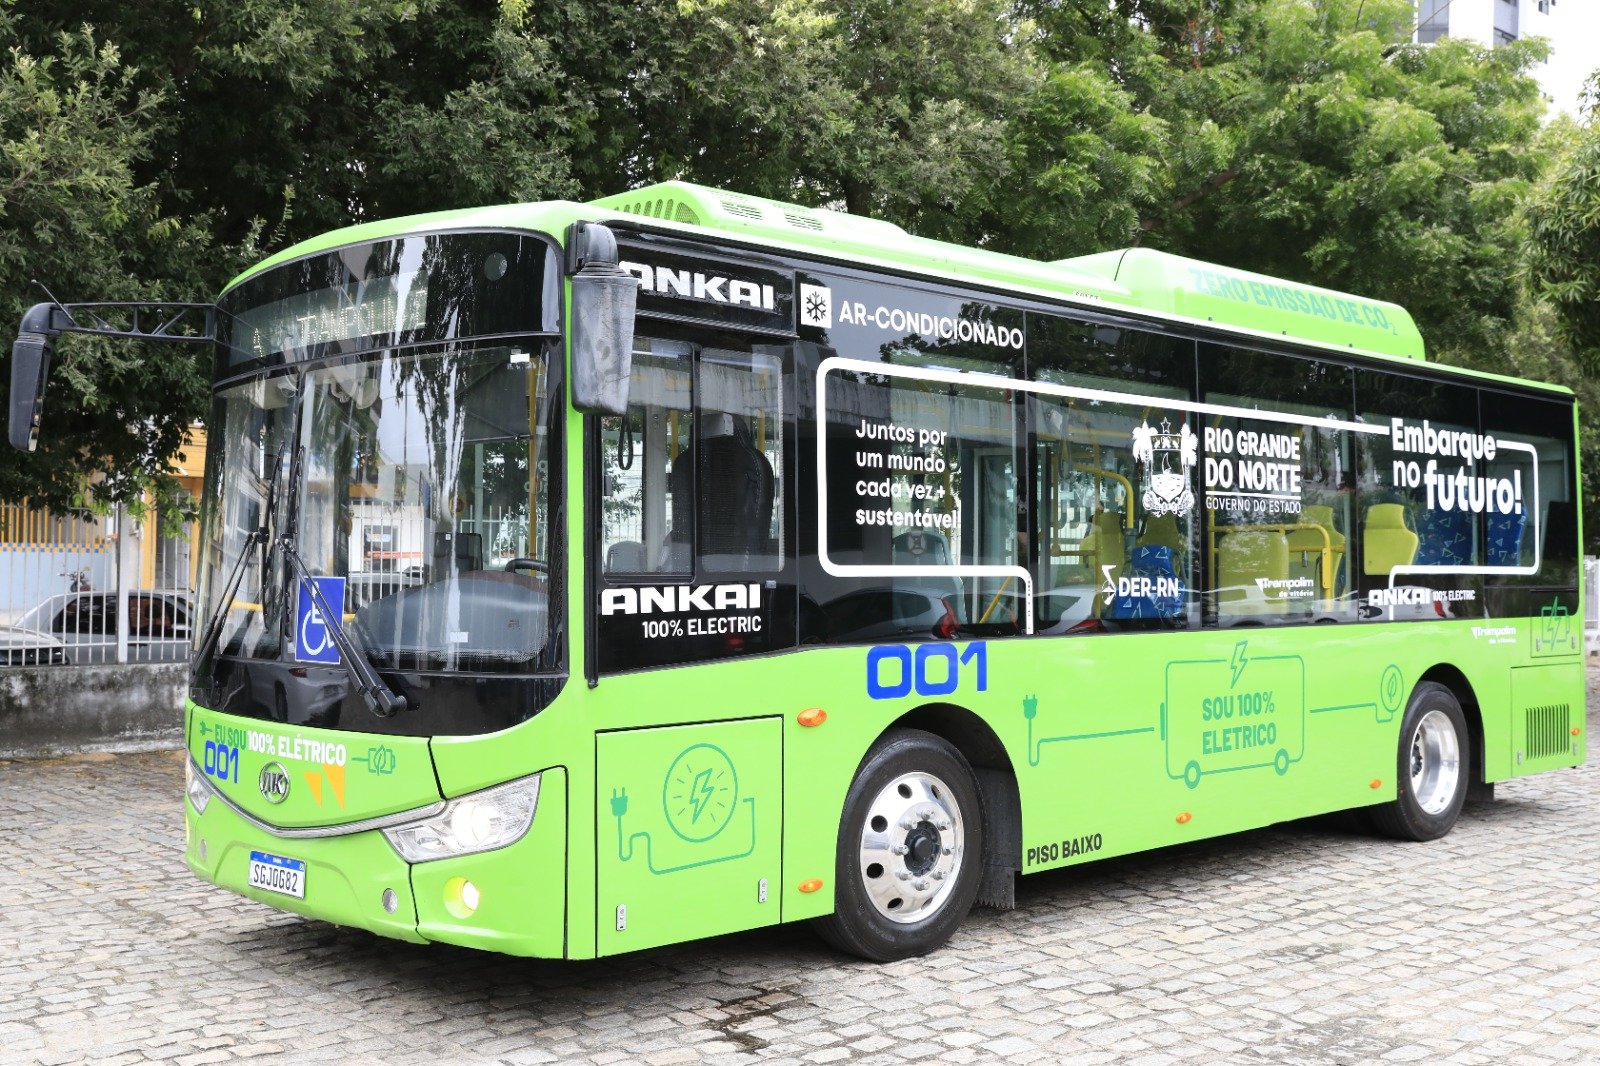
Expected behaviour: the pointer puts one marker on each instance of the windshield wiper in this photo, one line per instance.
(256, 536)
(382, 700)
(213, 633)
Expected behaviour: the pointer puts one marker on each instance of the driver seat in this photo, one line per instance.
(733, 511)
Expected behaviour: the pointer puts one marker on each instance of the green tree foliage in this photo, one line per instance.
(1536, 348)
(836, 100)
(74, 128)
(1558, 338)
(1563, 240)
(1310, 139)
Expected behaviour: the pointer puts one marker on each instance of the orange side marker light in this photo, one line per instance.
(1576, 731)
(811, 885)
(1185, 818)
(812, 716)
(1375, 783)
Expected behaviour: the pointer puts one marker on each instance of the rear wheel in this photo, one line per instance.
(910, 849)
(1431, 768)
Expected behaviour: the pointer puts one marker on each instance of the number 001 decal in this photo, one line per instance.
(895, 670)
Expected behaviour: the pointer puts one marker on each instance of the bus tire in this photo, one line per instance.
(910, 851)
(1431, 768)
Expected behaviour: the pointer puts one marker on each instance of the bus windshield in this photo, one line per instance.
(420, 480)
(412, 479)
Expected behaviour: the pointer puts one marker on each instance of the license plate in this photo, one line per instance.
(274, 873)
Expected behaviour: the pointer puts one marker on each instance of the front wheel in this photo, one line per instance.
(1432, 768)
(910, 849)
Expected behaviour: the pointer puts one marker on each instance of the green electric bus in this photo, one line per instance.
(581, 578)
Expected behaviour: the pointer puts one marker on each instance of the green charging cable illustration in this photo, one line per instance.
(699, 796)
(1030, 710)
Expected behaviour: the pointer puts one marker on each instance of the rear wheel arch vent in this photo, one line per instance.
(1547, 731)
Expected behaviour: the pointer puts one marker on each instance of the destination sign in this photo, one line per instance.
(380, 307)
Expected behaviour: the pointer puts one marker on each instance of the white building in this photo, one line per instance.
(1571, 26)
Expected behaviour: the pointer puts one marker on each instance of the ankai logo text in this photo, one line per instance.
(693, 285)
(680, 599)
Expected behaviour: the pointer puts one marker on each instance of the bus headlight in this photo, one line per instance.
(195, 786)
(478, 821)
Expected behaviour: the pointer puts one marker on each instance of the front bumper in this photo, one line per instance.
(520, 889)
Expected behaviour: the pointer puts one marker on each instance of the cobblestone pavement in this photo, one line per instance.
(1308, 943)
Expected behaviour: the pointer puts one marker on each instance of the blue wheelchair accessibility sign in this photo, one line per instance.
(312, 641)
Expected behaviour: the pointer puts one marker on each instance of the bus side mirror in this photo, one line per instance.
(30, 366)
(604, 297)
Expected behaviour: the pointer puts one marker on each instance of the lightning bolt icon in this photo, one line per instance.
(1239, 660)
(701, 794)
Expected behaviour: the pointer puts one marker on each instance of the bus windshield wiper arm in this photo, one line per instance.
(230, 588)
(382, 700)
(213, 633)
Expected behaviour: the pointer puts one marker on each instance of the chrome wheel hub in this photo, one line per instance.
(911, 847)
(1435, 762)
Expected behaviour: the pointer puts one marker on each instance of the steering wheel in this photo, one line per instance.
(538, 566)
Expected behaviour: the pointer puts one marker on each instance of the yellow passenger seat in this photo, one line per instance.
(1385, 541)
(1161, 531)
(1104, 546)
(1252, 564)
(1308, 544)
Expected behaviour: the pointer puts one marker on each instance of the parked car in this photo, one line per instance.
(85, 623)
(26, 647)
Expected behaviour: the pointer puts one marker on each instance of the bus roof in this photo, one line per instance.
(1168, 285)
(1136, 279)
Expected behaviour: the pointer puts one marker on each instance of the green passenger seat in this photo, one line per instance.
(1385, 541)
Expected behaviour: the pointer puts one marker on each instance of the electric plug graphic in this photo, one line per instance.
(619, 802)
(1030, 707)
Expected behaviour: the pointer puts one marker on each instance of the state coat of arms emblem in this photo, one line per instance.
(1168, 455)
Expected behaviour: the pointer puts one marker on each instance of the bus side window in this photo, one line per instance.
(921, 475)
(1411, 534)
(1278, 488)
(644, 527)
(1530, 516)
(738, 457)
(1116, 484)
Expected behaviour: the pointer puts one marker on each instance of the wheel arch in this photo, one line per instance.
(1001, 801)
(1453, 679)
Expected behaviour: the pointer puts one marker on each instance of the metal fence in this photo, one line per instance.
(88, 590)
